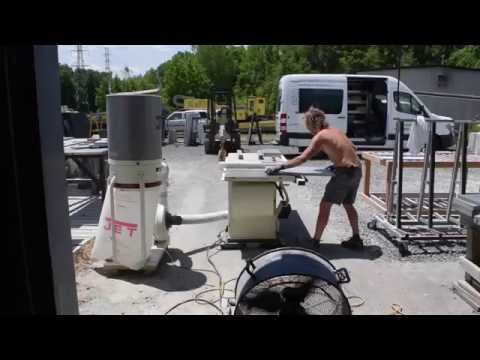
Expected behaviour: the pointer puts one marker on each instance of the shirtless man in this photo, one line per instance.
(342, 187)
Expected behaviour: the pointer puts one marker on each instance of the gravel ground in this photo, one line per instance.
(312, 193)
(420, 283)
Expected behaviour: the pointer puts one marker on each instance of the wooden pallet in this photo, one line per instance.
(410, 203)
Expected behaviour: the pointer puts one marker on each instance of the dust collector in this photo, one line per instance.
(134, 222)
(137, 182)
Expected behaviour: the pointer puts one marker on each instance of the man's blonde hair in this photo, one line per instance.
(315, 119)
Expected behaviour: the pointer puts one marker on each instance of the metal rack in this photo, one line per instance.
(434, 226)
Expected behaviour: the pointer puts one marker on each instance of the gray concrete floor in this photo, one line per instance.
(420, 284)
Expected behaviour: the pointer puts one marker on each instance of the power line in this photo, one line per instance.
(107, 69)
(80, 95)
(107, 60)
(80, 60)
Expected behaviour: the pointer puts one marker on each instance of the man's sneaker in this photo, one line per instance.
(354, 243)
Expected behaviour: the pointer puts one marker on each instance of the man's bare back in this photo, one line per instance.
(338, 147)
(343, 185)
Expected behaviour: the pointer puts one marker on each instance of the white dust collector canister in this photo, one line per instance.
(134, 126)
(138, 180)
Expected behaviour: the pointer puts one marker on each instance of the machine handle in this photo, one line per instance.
(342, 276)
(247, 268)
(301, 180)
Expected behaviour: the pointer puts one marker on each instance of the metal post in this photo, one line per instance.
(431, 186)
(421, 195)
(102, 179)
(400, 175)
(143, 249)
(391, 190)
(464, 158)
(250, 131)
(112, 218)
(259, 130)
(453, 182)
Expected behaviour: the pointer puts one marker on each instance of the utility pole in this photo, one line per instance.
(79, 65)
(107, 69)
(80, 60)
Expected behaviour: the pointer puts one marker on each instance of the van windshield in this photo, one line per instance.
(330, 101)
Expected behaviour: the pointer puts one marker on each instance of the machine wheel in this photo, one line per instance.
(206, 146)
(372, 225)
(403, 249)
(209, 147)
(238, 144)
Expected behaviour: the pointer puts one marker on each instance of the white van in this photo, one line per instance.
(360, 105)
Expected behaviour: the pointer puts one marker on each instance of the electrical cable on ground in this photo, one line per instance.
(397, 310)
(191, 300)
(362, 301)
(221, 284)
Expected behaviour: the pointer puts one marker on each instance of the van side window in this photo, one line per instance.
(279, 100)
(330, 101)
(408, 104)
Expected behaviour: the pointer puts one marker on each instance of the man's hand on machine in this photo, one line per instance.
(274, 170)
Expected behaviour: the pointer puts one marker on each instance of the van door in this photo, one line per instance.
(328, 96)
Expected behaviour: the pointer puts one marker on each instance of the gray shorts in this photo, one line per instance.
(342, 187)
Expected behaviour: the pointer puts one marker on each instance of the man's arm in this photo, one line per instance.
(307, 154)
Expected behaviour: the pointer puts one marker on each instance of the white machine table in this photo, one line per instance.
(253, 212)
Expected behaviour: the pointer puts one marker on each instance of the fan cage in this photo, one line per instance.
(324, 297)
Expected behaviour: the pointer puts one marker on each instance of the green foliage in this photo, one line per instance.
(252, 70)
(184, 75)
(468, 56)
(220, 63)
(101, 95)
(67, 86)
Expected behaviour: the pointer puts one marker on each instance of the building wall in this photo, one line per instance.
(459, 82)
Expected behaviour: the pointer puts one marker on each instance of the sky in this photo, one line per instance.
(138, 58)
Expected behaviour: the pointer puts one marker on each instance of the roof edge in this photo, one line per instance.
(422, 67)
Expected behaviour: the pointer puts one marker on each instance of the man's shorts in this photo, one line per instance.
(342, 187)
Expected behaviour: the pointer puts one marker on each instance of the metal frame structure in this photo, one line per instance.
(436, 227)
(254, 128)
(212, 144)
(79, 156)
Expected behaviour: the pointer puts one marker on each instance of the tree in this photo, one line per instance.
(184, 76)
(219, 63)
(67, 87)
(468, 56)
(101, 95)
(252, 70)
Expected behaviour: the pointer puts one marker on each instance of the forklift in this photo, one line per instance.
(222, 134)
